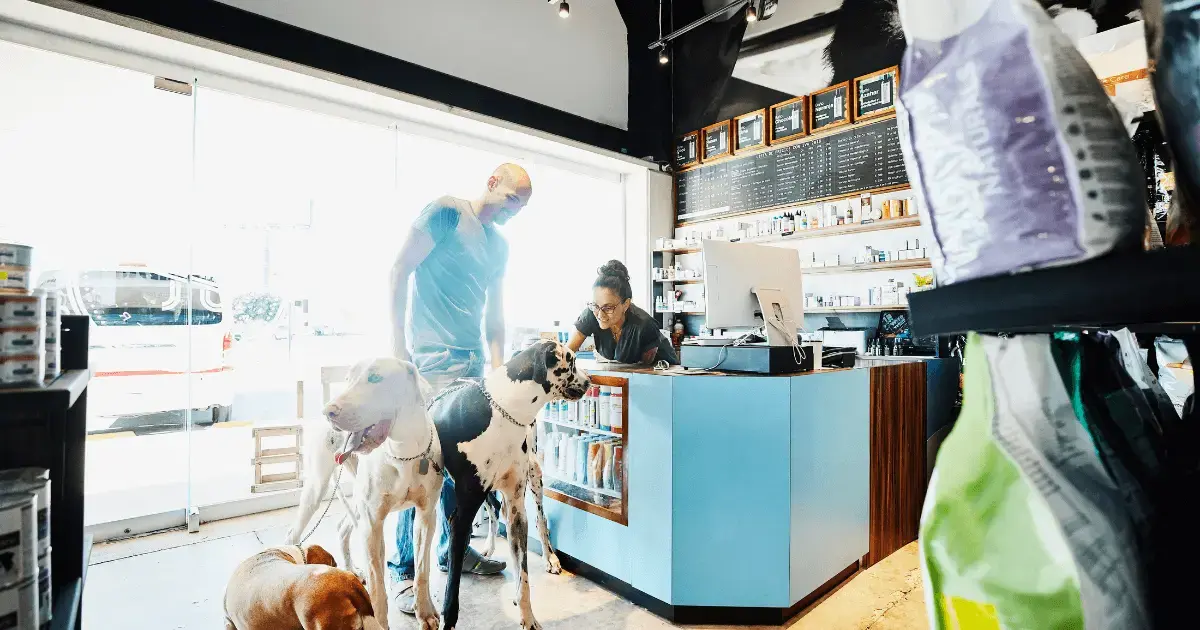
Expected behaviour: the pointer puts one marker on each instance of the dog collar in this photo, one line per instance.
(422, 455)
(461, 383)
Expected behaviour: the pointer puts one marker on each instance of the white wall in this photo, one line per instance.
(578, 65)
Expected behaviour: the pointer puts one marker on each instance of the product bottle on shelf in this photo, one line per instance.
(618, 465)
(595, 464)
(581, 460)
(616, 405)
(604, 421)
(606, 471)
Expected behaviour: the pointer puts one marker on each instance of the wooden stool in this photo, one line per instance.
(289, 454)
(284, 455)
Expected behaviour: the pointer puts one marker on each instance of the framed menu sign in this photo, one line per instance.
(687, 150)
(751, 131)
(789, 120)
(830, 107)
(715, 140)
(875, 94)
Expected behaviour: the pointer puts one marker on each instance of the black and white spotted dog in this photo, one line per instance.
(484, 431)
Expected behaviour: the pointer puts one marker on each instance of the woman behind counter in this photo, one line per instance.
(622, 332)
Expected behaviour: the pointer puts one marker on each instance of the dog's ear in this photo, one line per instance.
(315, 554)
(533, 363)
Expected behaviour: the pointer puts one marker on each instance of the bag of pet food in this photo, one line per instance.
(1010, 142)
(1173, 39)
(1174, 371)
(1022, 526)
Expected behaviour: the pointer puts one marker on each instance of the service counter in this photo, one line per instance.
(743, 498)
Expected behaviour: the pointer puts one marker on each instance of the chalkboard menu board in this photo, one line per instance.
(687, 150)
(830, 107)
(875, 94)
(715, 139)
(789, 120)
(751, 130)
(859, 159)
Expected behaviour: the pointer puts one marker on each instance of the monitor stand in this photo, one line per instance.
(777, 356)
(778, 318)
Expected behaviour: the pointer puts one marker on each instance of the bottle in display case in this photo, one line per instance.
(616, 409)
(595, 463)
(603, 420)
(606, 475)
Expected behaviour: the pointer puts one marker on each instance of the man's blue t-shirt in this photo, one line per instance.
(450, 286)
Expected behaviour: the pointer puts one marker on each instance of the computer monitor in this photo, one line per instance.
(744, 282)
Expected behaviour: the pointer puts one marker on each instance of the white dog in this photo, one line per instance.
(396, 463)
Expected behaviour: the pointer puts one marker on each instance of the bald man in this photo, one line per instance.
(457, 259)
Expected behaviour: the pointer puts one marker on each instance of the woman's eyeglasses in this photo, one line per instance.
(607, 310)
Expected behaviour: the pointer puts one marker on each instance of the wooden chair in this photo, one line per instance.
(292, 453)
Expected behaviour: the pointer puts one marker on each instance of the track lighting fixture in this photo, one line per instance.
(564, 10)
(751, 13)
(662, 56)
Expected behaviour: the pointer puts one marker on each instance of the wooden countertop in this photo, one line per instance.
(859, 364)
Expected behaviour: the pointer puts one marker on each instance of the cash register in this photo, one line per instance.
(750, 287)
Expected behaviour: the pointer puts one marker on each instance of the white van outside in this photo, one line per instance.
(142, 349)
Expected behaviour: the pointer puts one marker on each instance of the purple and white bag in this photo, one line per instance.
(1011, 144)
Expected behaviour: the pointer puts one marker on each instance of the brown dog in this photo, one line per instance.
(296, 587)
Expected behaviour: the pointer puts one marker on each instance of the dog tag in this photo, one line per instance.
(424, 467)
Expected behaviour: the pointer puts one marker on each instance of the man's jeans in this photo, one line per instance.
(440, 368)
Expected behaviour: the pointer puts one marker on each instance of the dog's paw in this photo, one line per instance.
(488, 550)
(530, 624)
(553, 566)
(430, 621)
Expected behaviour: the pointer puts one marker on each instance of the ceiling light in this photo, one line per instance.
(564, 10)
(662, 56)
(751, 13)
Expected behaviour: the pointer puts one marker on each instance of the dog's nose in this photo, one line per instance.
(332, 411)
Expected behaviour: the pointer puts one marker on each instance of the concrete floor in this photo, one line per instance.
(176, 580)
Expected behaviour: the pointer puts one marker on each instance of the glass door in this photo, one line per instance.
(95, 174)
(296, 231)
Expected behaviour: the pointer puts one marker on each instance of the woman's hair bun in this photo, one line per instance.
(616, 269)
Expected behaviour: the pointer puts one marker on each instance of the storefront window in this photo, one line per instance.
(227, 249)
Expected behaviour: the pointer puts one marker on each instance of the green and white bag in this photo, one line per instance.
(1022, 527)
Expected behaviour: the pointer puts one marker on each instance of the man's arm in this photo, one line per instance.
(416, 247)
(495, 321)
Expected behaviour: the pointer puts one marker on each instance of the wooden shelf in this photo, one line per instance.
(854, 309)
(553, 475)
(833, 230)
(681, 281)
(789, 206)
(922, 263)
(578, 427)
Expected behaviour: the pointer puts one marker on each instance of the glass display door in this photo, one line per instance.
(298, 234)
(95, 174)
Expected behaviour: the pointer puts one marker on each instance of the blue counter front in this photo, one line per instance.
(744, 492)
